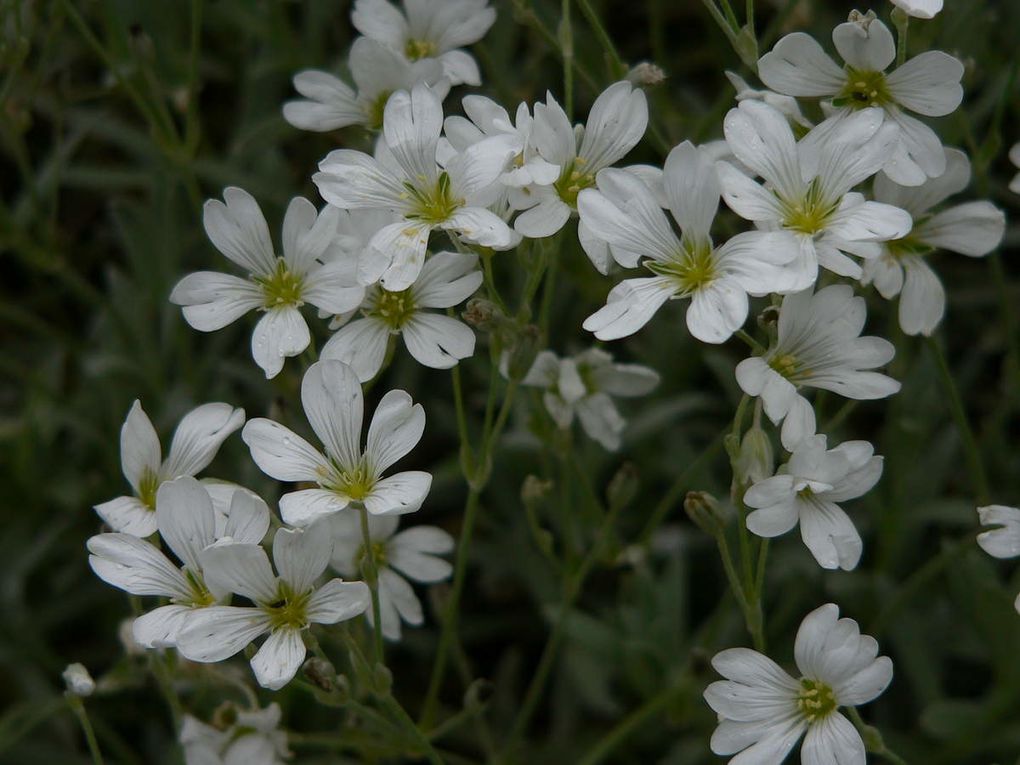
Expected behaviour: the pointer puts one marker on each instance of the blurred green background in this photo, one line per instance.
(118, 118)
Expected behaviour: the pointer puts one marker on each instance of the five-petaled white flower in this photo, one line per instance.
(413, 553)
(407, 179)
(377, 72)
(195, 443)
(818, 346)
(1004, 541)
(616, 122)
(764, 711)
(808, 185)
(433, 339)
(624, 212)
(928, 84)
(187, 523)
(284, 605)
(278, 286)
(972, 228)
(583, 385)
(806, 489)
(345, 474)
(253, 737)
(429, 29)
(920, 9)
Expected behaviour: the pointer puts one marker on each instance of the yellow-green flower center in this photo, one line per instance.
(908, 247)
(200, 595)
(863, 89)
(786, 365)
(282, 287)
(355, 484)
(810, 213)
(816, 700)
(693, 269)
(394, 309)
(418, 49)
(290, 609)
(572, 181)
(434, 205)
(147, 487)
(376, 108)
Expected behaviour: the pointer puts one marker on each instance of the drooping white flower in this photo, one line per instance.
(407, 179)
(411, 554)
(787, 105)
(346, 474)
(277, 286)
(433, 339)
(187, 524)
(285, 603)
(806, 490)
(616, 123)
(253, 737)
(818, 346)
(1003, 541)
(195, 443)
(78, 680)
(764, 711)
(1014, 157)
(972, 228)
(429, 30)
(807, 185)
(718, 280)
(583, 385)
(919, 9)
(377, 72)
(928, 84)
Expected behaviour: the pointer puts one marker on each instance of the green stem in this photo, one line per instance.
(397, 711)
(902, 23)
(720, 20)
(873, 741)
(160, 671)
(605, 746)
(566, 40)
(371, 574)
(78, 707)
(970, 446)
(605, 41)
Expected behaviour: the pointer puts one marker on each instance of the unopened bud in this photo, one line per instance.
(480, 313)
(78, 680)
(702, 508)
(382, 680)
(522, 354)
(535, 489)
(320, 673)
(746, 45)
(224, 716)
(623, 486)
(769, 317)
(478, 694)
(755, 460)
(646, 73)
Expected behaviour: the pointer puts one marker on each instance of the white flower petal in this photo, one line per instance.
(717, 311)
(396, 427)
(281, 453)
(830, 535)
(973, 228)
(159, 628)
(128, 515)
(135, 566)
(333, 288)
(302, 508)
(331, 105)
(438, 341)
(239, 568)
(360, 345)
(400, 493)
(302, 555)
(865, 45)
(746, 197)
(923, 299)
(833, 741)
(928, 84)
(460, 68)
(140, 453)
(281, 333)
(761, 138)
(797, 66)
(337, 601)
(184, 515)
(353, 180)
(601, 420)
(333, 402)
(402, 596)
(1004, 541)
(616, 123)
(446, 279)
(198, 438)
(395, 255)
(413, 552)
(211, 300)
(279, 658)
(480, 226)
(247, 519)
(238, 230)
(380, 20)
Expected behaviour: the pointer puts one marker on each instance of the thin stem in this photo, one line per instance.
(873, 741)
(605, 41)
(605, 746)
(397, 711)
(749, 12)
(731, 17)
(566, 40)
(970, 446)
(902, 22)
(78, 707)
(161, 672)
(371, 574)
(720, 20)
(754, 345)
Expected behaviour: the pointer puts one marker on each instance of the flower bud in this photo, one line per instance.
(78, 680)
(646, 73)
(320, 673)
(623, 486)
(702, 508)
(755, 460)
(478, 694)
(224, 716)
(480, 313)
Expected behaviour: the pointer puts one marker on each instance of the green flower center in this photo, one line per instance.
(863, 90)
(432, 206)
(376, 108)
(290, 609)
(282, 287)
(816, 700)
(147, 487)
(692, 270)
(573, 180)
(786, 365)
(394, 309)
(809, 214)
(908, 247)
(356, 484)
(200, 595)
(418, 49)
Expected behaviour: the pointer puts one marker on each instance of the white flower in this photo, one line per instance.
(345, 474)
(583, 385)
(407, 179)
(78, 680)
(818, 346)
(487, 119)
(808, 185)
(276, 286)
(973, 228)
(195, 443)
(787, 105)
(253, 738)
(919, 9)
(433, 339)
(928, 84)
(429, 29)
(413, 553)
(616, 123)
(1014, 157)
(377, 72)
(284, 605)
(806, 489)
(624, 212)
(187, 523)
(1004, 541)
(764, 711)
